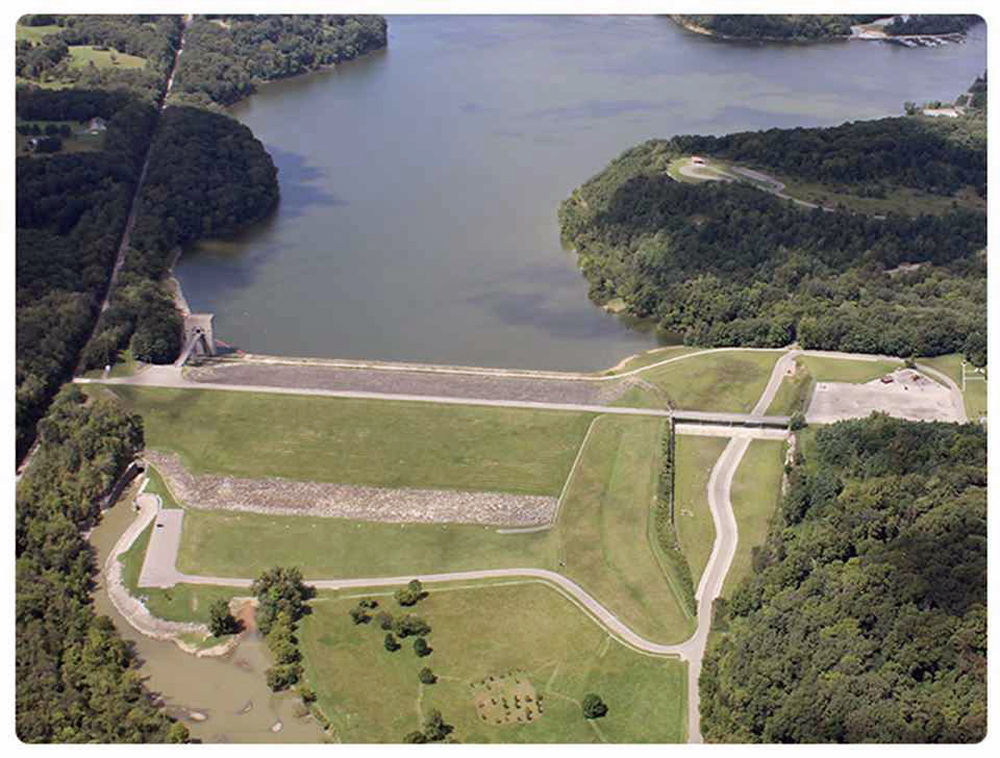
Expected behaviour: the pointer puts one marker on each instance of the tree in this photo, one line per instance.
(421, 648)
(221, 621)
(385, 620)
(411, 594)
(426, 676)
(797, 421)
(280, 589)
(411, 626)
(391, 643)
(594, 707)
(359, 616)
(435, 728)
(415, 738)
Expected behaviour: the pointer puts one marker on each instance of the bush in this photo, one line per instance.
(391, 643)
(359, 616)
(411, 594)
(283, 676)
(421, 648)
(385, 620)
(411, 626)
(797, 421)
(594, 707)
(221, 621)
(426, 676)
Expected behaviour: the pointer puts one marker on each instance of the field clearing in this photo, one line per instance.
(364, 442)
(975, 395)
(898, 199)
(371, 695)
(695, 457)
(725, 381)
(81, 56)
(604, 527)
(75, 143)
(35, 33)
(756, 494)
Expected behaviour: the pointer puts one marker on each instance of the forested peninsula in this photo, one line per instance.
(813, 27)
(728, 263)
(96, 87)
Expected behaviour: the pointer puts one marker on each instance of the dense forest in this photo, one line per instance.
(207, 176)
(70, 213)
(938, 23)
(774, 26)
(816, 26)
(729, 264)
(869, 597)
(76, 679)
(227, 56)
(153, 38)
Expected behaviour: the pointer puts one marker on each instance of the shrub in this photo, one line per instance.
(411, 594)
(594, 707)
(426, 676)
(391, 643)
(421, 648)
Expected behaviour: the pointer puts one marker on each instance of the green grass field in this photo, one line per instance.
(75, 143)
(371, 695)
(81, 56)
(975, 394)
(756, 493)
(365, 442)
(722, 381)
(604, 527)
(600, 540)
(35, 33)
(793, 393)
(695, 456)
(649, 357)
(848, 370)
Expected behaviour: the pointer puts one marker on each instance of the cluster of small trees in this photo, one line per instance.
(281, 602)
(435, 730)
(664, 523)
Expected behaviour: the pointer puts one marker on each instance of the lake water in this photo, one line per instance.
(420, 183)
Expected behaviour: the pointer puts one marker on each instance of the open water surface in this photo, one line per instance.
(420, 183)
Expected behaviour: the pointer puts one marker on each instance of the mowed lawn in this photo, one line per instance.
(371, 695)
(695, 459)
(604, 530)
(755, 494)
(724, 381)
(365, 442)
(848, 370)
(227, 544)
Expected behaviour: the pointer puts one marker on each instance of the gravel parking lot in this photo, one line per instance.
(910, 395)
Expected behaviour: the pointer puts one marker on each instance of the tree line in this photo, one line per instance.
(71, 210)
(728, 264)
(869, 597)
(76, 679)
(810, 26)
(226, 57)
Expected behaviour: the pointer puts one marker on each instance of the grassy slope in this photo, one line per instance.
(81, 56)
(724, 381)
(975, 394)
(35, 33)
(366, 442)
(601, 537)
(695, 458)
(640, 360)
(755, 494)
(793, 393)
(157, 486)
(604, 523)
(244, 544)
(371, 695)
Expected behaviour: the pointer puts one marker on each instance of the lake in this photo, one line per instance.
(419, 184)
